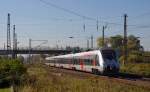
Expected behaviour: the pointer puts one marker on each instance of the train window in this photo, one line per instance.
(91, 60)
(109, 54)
(69, 61)
(87, 61)
(97, 60)
(66, 61)
(61, 60)
(76, 60)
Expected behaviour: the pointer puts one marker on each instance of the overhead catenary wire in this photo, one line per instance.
(72, 12)
(86, 17)
(66, 10)
(140, 15)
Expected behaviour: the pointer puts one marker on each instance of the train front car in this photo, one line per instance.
(110, 62)
(101, 61)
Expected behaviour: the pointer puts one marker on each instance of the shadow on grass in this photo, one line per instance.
(4, 84)
(125, 76)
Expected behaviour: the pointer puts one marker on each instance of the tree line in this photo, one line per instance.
(134, 48)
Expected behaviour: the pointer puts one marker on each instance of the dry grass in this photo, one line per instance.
(44, 81)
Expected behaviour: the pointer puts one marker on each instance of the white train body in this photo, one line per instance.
(97, 61)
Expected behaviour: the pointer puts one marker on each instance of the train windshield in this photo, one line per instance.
(109, 54)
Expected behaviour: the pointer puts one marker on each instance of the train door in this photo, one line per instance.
(94, 62)
(69, 63)
(81, 64)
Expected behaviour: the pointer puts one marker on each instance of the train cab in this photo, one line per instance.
(110, 62)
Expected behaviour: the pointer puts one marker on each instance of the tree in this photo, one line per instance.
(100, 40)
(134, 43)
(116, 41)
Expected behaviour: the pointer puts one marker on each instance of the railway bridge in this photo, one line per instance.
(27, 51)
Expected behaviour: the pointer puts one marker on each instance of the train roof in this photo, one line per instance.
(86, 53)
(73, 55)
(106, 48)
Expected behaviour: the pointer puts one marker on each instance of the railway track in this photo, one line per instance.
(129, 79)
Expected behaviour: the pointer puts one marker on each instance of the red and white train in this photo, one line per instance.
(99, 61)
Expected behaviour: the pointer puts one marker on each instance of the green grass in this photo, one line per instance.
(4, 89)
(137, 68)
(41, 80)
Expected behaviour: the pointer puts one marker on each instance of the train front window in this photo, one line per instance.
(109, 54)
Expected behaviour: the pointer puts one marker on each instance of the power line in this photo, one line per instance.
(148, 36)
(97, 23)
(83, 16)
(66, 10)
(141, 15)
(140, 27)
(72, 12)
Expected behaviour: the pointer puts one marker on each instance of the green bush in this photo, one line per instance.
(133, 57)
(10, 71)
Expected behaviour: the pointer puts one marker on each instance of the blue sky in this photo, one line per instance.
(36, 20)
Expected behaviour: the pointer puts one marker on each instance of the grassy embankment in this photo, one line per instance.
(42, 80)
(4, 89)
(142, 69)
